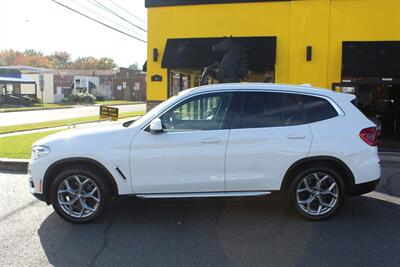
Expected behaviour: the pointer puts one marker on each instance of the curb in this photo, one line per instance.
(21, 165)
(39, 109)
(14, 165)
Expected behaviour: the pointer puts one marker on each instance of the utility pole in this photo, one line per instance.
(41, 84)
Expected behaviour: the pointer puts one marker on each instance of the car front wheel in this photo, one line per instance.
(79, 195)
(316, 193)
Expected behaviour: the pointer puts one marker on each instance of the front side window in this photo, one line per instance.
(206, 112)
(317, 108)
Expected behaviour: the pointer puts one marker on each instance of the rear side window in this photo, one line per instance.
(317, 109)
(293, 115)
(268, 109)
(262, 110)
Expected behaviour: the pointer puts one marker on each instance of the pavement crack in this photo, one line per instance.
(105, 240)
(12, 213)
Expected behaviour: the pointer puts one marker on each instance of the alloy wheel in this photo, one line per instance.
(317, 194)
(78, 196)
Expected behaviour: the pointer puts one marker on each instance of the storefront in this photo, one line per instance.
(346, 45)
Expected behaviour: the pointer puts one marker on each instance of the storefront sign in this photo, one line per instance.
(108, 113)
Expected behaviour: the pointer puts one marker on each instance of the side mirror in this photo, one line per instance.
(156, 126)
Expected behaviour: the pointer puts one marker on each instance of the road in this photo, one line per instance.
(24, 117)
(202, 232)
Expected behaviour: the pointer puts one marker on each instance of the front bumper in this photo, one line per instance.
(41, 197)
(36, 172)
(363, 188)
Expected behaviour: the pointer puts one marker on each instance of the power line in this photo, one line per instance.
(95, 20)
(115, 14)
(130, 13)
(120, 25)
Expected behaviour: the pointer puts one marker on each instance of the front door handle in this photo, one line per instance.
(296, 136)
(210, 140)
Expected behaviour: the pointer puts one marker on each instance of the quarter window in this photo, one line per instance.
(317, 108)
(201, 113)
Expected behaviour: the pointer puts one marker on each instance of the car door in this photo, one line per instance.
(267, 137)
(188, 156)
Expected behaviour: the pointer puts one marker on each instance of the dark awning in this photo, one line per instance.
(144, 67)
(5, 80)
(196, 53)
(371, 59)
(159, 3)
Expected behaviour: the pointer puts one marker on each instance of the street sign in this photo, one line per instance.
(108, 113)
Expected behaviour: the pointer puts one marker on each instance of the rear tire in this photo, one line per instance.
(316, 193)
(79, 194)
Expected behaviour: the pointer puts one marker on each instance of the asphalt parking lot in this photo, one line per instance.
(202, 232)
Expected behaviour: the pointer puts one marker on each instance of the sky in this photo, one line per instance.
(44, 25)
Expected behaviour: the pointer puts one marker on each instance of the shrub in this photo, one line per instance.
(81, 98)
(100, 98)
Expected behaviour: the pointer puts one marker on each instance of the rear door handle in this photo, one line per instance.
(210, 140)
(296, 136)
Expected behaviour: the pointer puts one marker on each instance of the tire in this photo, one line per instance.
(79, 194)
(321, 198)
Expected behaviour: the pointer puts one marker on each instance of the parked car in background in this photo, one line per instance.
(222, 140)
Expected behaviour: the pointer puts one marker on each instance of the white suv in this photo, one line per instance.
(216, 141)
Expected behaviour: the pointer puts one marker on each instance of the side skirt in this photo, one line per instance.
(205, 194)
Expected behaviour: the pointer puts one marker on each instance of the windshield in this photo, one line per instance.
(158, 109)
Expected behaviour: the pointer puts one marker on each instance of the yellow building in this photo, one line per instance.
(348, 45)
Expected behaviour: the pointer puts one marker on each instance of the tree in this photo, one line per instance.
(85, 63)
(57, 60)
(8, 57)
(32, 53)
(60, 60)
(105, 63)
(134, 66)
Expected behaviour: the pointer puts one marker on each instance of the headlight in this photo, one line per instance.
(39, 151)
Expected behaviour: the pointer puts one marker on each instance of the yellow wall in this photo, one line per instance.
(323, 24)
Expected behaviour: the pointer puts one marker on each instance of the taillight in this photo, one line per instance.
(369, 136)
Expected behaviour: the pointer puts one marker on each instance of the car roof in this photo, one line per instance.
(306, 89)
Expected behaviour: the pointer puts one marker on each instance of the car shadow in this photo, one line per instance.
(226, 232)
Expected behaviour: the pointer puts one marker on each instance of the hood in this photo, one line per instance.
(109, 131)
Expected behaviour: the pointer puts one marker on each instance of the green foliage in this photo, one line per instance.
(50, 124)
(100, 98)
(81, 98)
(134, 66)
(105, 63)
(19, 146)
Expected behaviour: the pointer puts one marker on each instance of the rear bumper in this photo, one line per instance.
(363, 188)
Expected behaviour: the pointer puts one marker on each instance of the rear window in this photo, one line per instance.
(317, 108)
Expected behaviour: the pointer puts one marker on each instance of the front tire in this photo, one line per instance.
(79, 195)
(316, 193)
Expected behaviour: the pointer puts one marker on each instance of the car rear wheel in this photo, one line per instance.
(316, 193)
(79, 195)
